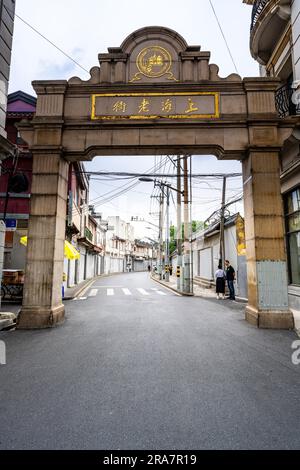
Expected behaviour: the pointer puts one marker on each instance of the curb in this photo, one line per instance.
(185, 294)
(88, 283)
(296, 315)
(81, 289)
(182, 294)
(237, 298)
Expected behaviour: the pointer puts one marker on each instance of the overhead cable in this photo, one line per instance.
(224, 37)
(160, 175)
(50, 42)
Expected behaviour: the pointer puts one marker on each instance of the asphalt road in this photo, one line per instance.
(137, 369)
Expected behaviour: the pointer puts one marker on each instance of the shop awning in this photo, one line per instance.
(70, 250)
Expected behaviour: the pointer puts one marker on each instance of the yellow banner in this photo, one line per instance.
(240, 236)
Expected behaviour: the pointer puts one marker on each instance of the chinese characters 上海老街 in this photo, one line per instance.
(144, 106)
(119, 106)
(167, 105)
(191, 106)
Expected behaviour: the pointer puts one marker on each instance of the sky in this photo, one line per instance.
(84, 29)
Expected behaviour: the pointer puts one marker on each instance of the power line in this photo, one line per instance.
(127, 187)
(224, 37)
(116, 192)
(160, 175)
(110, 185)
(85, 70)
(50, 42)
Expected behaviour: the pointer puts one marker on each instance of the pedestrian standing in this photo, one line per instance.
(220, 282)
(230, 276)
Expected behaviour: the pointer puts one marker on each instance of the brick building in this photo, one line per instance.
(7, 13)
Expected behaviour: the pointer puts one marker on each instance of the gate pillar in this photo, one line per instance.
(266, 257)
(42, 298)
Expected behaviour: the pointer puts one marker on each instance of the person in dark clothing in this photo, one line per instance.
(220, 281)
(230, 277)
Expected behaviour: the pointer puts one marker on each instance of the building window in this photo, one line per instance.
(292, 218)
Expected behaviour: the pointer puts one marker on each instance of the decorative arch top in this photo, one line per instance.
(154, 54)
(154, 33)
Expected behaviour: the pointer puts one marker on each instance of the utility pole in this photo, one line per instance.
(222, 224)
(169, 188)
(187, 252)
(163, 250)
(160, 237)
(179, 223)
(191, 229)
(167, 256)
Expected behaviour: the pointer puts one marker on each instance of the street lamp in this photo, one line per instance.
(145, 179)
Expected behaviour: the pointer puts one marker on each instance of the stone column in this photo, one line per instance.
(42, 300)
(105, 70)
(266, 258)
(187, 67)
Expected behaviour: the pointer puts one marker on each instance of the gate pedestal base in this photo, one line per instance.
(32, 318)
(270, 319)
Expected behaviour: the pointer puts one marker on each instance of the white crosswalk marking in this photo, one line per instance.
(123, 291)
(160, 292)
(142, 291)
(126, 291)
(93, 292)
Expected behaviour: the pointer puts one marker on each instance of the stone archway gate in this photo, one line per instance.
(157, 95)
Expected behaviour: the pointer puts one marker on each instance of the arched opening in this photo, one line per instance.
(155, 95)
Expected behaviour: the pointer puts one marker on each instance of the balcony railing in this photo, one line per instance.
(258, 7)
(284, 104)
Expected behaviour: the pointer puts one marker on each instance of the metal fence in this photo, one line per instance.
(284, 105)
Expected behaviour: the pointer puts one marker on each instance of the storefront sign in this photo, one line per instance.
(11, 225)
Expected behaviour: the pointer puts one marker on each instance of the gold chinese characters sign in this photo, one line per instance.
(116, 106)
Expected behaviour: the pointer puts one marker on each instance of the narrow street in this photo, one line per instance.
(137, 366)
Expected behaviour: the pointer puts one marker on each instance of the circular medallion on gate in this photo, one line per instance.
(154, 61)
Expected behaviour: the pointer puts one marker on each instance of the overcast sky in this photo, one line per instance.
(85, 28)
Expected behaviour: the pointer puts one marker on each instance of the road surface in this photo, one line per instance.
(136, 366)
